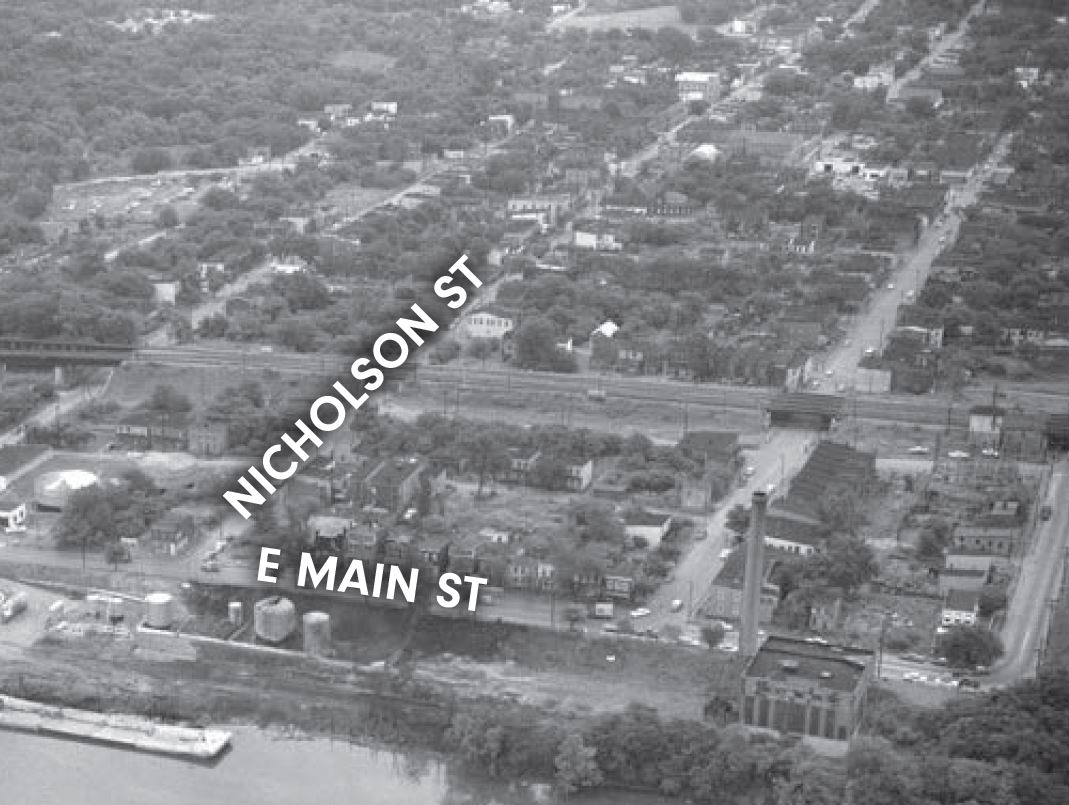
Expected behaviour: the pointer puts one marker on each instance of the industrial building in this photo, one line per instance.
(806, 688)
(800, 687)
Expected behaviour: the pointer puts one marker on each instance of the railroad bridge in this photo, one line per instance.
(35, 353)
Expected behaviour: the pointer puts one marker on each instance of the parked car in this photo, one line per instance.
(957, 454)
(677, 605)
(918, 450)
(210, 566)
(1044, 512)
(641, 612)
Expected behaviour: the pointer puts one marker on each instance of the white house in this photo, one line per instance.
(698, 87)
(961, 608)
(13, 513)
(650, 526)
(488, 324)
(384, 107)
(606, 329)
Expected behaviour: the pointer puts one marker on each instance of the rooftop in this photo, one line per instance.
(643, 517)
(831, 667)
(962, 600)
(393, 471)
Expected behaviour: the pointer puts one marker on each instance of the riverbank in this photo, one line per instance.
(122, 731)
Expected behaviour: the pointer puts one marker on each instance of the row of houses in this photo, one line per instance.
(504, 558)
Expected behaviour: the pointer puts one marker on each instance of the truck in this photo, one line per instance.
(604, 609)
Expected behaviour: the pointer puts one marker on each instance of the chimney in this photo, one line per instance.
(751, 590)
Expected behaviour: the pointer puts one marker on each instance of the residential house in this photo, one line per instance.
(930, 95)
(960, 608)
(725, 593)
(488, 323)
(330, 531)
(13, 512)
(694, 86)
(985, 424)
(337, 110)
(171, 533)
(579, 475)
(500, 125)
(395, 483)
(991, 540)
(806, 688)
(652, 527)
(619, 587)
(521, 461)
(387, 108)
(154, 430)
(598, 241)
(542, 209)
(209, 437)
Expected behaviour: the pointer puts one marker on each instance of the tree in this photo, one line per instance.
(969, 646)
(845, 562)
(992, 599)
(839, 508)
(115, 552)
(151, 160)
(488, 456)
(738, 519)
(167, 399)
(167, 217)
(536, 347)
(576, 765)
(713, 634)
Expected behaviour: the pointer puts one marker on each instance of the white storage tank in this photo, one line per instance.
(235, 613)
(317, 633)
(159, 610)
(274, 619)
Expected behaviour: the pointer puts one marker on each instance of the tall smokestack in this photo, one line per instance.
(755, 565)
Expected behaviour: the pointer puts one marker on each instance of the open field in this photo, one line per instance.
(366, 60)
(650, 18)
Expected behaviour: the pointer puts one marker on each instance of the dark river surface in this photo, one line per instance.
(261, 769)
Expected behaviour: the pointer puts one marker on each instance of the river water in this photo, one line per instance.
(261, 769)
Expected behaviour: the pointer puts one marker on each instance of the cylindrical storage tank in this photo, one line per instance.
(275, 619)
(317, 633)
(235, 612)
(159, 610)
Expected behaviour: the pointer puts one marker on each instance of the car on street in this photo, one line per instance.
(770, 489)
(210, 566)
(912, 676)
(749, 472)
(968, 682)
(957, 454)
(641, 612)
(890, 286)
(724, 554)
(913, 657)
(870, 351)
(677, 604)
(918, 450)
(829, 372)
(989, 452)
